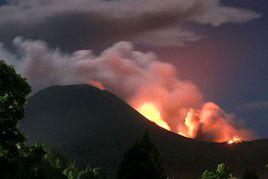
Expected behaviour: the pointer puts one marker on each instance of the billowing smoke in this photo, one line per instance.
(150, 86)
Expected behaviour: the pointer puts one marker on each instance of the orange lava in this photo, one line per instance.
(206, 123)
(235, 140)
(149, 111)
(97, 84)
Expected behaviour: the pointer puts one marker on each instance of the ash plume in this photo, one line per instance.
(136, 77)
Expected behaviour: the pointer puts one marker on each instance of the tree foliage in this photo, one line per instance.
(141, 161)
(13, 92)
(73, 172)
(222, 172)
(17, 160)
(69, 167)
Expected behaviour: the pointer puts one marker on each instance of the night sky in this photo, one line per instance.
(227, 59)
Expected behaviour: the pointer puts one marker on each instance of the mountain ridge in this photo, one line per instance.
(96, 127)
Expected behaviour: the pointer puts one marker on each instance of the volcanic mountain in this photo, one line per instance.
(96, 127)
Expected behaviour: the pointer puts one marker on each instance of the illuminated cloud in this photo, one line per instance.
(98, 24)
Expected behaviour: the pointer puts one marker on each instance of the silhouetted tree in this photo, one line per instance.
(91, 173)
(73, 172)
(250, 174)
(13, 92)
(142, 161)
(17, 160)
(57, 159)
(222, 172)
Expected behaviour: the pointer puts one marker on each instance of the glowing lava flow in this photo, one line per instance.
(235, 140)
(97, 84)
(206, 119)
(149, 111)
(208, 123)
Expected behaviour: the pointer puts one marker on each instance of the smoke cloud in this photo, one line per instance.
(137, 77)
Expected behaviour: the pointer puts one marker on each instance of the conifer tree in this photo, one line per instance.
(142, 161)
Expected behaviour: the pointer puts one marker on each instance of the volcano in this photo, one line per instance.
(95, 127)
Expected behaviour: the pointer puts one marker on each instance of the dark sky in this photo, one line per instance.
(229, 63)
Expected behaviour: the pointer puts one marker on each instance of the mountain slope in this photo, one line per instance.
(96, 127)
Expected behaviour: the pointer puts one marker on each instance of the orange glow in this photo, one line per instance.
(149, 111)
(235, 140)
(204, 121)
(97, 84)
(190, 124)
